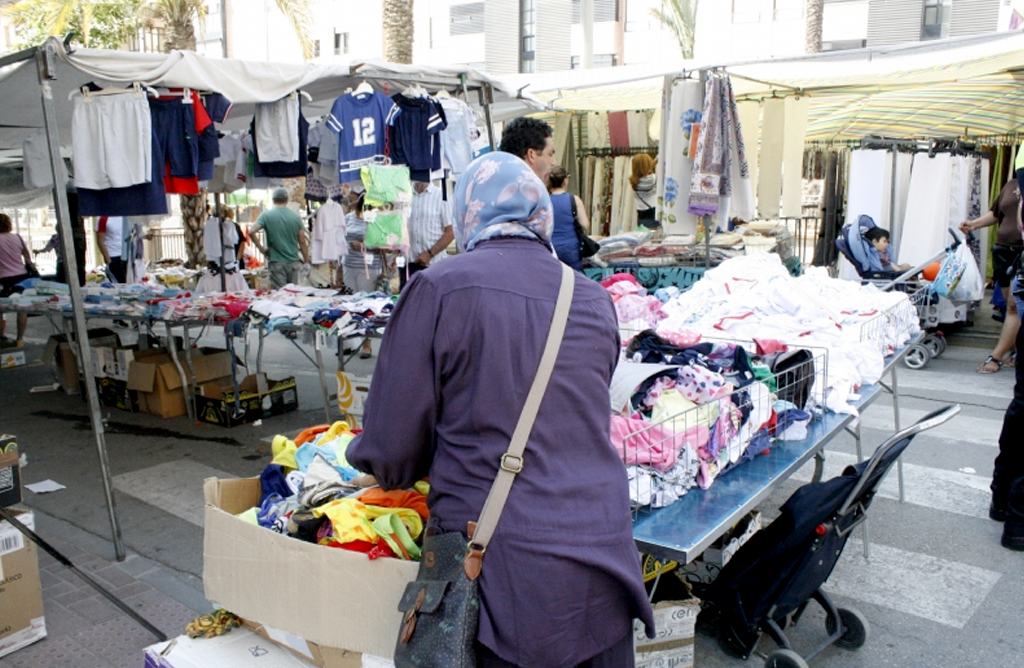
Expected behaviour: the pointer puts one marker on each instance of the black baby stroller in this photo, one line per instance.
(771, 579)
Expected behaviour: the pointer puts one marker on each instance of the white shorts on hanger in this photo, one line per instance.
(111, 138)
(277, 130)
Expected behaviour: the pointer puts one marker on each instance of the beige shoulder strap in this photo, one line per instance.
(512, 460)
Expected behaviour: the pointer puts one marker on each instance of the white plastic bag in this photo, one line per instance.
(971, 286)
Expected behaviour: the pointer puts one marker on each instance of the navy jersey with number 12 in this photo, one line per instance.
(360, 123)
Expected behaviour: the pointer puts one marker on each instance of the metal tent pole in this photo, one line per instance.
(486, 100)
(46, 61)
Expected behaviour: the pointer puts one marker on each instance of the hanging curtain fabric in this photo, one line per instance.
(681, 122)
(597, 130)
(749, 115)
(637, 122)
(597, 219)
(769, 179)
(795, 109)
(928, 208)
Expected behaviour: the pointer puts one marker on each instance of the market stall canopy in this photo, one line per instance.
(929, 89)
(245, 83)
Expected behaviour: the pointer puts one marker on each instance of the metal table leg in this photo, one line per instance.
(171, 348)
(896, 417)
(190, 395)
(318, 343)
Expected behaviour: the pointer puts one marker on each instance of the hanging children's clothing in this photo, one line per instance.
(456, 140)
(329, 233)
(360, 123)
(282, 168)
(415, 138)
(212, 242)
(275, 125)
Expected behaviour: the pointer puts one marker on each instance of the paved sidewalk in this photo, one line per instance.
(83, 629)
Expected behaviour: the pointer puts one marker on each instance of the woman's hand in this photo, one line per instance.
(966, 227)
(357, 246)
(364, 481)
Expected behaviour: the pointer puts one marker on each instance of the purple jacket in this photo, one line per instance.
(561, 579)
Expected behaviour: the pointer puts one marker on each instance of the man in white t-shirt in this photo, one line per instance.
(109, 237)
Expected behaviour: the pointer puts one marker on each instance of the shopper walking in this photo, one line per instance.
(286, 248)
(110, 241)
(1006, 214)
(14, 262)
(1008, 470)
(561, 581)
(430, 229)
(564, 238)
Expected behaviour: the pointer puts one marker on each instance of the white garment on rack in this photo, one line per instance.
(749, 114)
(903, 165)
(636, 123)
(329, 233)
(277, 130)
(111, 140)
(212, 237)
(676, 164)
(36, 162)
(769, 180)
(870, 186)
(456, 143)
(793, 156)
(623, 202)
(928, 208)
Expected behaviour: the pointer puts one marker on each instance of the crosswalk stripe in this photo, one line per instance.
(970, 429)
(951, 491)
(943, 591)
(174, 487)
(973, 384)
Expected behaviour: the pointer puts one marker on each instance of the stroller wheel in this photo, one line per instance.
(784, 658)
(856, 629)
(935, 344)
(917, 357)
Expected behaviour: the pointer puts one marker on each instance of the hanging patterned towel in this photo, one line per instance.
(711, 163)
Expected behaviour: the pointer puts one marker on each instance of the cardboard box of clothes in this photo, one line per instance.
(154, 375)
(10, 471)
(297, 587)
(114, 393)
(259, 397)
(241, 648)
(64, 361)
(21, 595)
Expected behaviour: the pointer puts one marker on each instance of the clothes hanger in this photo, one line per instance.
(185, 94)
(304, 94)
(443, 95)
(362, 89)
(137, 89)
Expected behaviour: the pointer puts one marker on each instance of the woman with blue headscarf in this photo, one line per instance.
(561, 579)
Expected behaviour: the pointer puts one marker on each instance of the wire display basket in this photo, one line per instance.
(672, 451)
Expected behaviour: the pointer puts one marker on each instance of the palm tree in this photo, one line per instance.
(104, 25)
(812, 35)
(398, 31)
(680, 17)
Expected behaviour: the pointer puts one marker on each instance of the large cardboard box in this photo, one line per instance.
(672, 647)
(322, 657)
(64, 361)
(21, 596)
(352, 391)
(294, 586)
(259, 397)
(10, 471)
(155, 377)
(114, 393)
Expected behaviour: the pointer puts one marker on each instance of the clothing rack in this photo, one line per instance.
(613, 151)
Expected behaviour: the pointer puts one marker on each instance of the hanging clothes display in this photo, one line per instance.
(415, 141)
(769, 180)
(597, 130)
(457, 140)
(329, 233)
(795, 114)
(274, 129)
(282, 168)
(928, 208)
(597, 210)
(359, 120)
(637, 125)
(749, 116)
(675, 162)
(111, 140)
(618, 130)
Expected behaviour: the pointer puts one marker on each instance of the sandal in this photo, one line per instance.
(990, 360)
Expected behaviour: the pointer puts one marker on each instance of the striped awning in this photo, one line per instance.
(971, 86)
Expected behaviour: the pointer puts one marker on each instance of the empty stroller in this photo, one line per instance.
(771, 579)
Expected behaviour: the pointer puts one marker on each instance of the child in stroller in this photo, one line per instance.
(866, 246)
(879, 238)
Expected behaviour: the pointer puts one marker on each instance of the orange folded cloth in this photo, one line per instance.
(397, 498)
